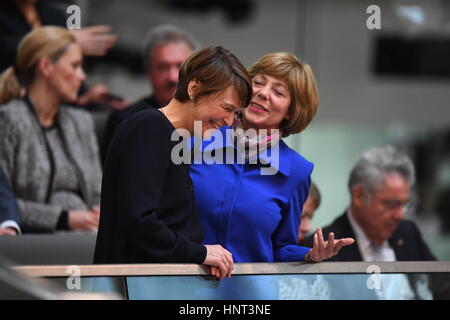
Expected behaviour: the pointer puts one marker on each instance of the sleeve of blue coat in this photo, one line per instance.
(285, 237)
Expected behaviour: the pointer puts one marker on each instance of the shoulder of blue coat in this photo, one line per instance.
(299, 166)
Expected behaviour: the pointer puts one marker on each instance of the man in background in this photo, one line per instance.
(380, 189)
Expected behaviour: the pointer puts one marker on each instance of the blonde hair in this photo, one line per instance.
(48, 41)
(301, 84)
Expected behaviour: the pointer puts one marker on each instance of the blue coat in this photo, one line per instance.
(254, 216)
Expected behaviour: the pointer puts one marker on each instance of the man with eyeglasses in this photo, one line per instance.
(380, 188)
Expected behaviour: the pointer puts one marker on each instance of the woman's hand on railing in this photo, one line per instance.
(220, 260)
(323, 250)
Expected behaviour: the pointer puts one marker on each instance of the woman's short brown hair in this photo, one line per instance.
(301, 84)
(216, 69)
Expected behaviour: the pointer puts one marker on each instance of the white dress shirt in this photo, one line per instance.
(392, 286)
(369, 251)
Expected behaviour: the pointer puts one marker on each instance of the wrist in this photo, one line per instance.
(308, 256)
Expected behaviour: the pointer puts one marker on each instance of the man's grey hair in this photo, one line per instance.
(375, 163)
(163, 34)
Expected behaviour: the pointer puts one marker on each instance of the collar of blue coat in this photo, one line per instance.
(222, 139)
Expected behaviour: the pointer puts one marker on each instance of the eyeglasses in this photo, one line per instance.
(390, 204)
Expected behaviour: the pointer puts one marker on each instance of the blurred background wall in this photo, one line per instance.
(390, 85)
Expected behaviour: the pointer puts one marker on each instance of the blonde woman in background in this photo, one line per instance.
(48, 150)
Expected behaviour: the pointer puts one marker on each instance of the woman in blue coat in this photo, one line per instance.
(251, 205)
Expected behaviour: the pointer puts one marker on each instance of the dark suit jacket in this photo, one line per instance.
(406, 241)
(8, 205)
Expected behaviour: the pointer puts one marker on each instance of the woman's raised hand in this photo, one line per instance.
(323, 250)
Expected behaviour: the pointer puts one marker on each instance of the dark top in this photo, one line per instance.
(148, 212)
(406, 241)
(8, 205)
(13, 27)
(66, 181)
(118, 116)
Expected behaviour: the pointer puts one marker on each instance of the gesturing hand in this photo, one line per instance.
(323, 250)
(95, 40)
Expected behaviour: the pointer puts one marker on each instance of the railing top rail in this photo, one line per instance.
(240, 268)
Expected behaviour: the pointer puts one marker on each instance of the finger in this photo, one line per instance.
(93, 223)
(228, 273)
(228, 253)
(98, 29)
(229, 266)
(316, 243)
(347, 241)
(337, 247)
(94, 218)
(315, 249)
(95, 210)
(103, 39)
(230, 263)
(217, 272)
(321, 241)
(330, 244)
(213, 271)
(223, 269)
(100, 90)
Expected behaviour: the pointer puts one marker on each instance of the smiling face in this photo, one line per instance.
(217, 110)
(66, 74)
(269, 105)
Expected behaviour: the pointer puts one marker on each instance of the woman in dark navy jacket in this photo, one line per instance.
(148, 212)
(252, 205)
